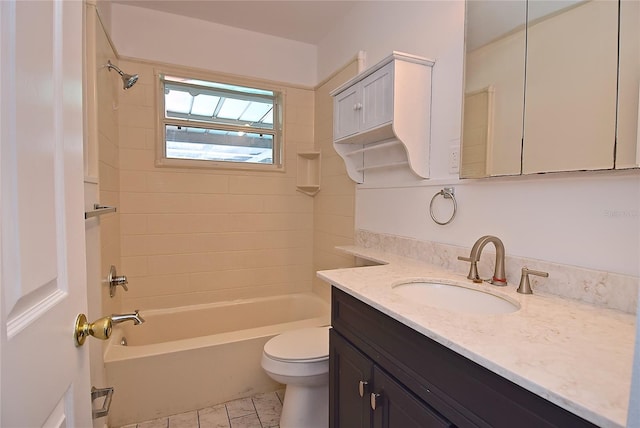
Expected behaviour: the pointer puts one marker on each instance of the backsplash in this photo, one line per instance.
(599, 288)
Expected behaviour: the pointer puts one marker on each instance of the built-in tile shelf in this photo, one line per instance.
(308, 178)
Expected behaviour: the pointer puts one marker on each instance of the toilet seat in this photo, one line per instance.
(306, 345)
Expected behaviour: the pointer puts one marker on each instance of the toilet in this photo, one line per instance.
(300, 360)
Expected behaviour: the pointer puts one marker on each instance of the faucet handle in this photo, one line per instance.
(525, 285)
(473, 269)
(114, 280)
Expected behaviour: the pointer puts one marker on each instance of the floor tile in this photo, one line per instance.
(269, 408)
(214, 417)
(248, 421)
(156, 423)
(259, 411)
(184, 420)
(239, 408)
(280, 394)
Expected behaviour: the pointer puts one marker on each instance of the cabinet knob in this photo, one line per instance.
(357, 106)
(362, 385)
(375, 400)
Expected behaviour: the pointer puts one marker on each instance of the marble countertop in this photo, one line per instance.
(575, 355)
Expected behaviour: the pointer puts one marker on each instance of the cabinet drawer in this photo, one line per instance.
(461, 390)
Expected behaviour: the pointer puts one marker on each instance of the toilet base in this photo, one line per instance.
(305, 407)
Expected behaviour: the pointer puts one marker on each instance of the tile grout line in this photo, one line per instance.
(255, 409)
(226, 409)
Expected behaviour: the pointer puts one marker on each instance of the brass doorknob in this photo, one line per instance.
(100, 329)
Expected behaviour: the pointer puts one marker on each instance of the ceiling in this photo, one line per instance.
(303, 21)
(308, 21)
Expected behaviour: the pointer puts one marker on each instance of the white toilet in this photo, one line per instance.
(300, 360)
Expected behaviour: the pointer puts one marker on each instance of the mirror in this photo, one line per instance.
(494, 88)
(572, 67)
(562, 116)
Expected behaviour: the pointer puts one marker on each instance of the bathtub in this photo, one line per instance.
(192, 357)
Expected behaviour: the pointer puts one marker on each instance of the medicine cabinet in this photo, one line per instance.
(575, 107)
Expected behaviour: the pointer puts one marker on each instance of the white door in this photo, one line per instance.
(44, 377)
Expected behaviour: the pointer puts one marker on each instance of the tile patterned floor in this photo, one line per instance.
(260, 411)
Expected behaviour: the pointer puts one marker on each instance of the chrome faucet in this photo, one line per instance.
(135, 317)
(499, 277)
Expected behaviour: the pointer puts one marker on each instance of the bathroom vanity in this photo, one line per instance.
(385, 374)
(401, 362)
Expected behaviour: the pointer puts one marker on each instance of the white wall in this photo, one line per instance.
(173, 39)
(432, 29)
(588, 219)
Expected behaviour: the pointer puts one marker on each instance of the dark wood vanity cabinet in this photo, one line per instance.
(364, 395)
(385, 374)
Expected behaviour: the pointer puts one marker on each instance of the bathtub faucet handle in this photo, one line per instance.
(114, 280)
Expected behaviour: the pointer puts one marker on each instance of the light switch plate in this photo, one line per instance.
(454, 159)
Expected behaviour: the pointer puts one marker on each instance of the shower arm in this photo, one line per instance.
(128, 80)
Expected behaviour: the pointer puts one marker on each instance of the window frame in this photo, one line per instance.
(162, 121)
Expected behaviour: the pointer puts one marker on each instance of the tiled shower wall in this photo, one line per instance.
(334, 205)
(196, 235)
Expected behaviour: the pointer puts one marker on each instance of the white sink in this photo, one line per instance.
(455, 298)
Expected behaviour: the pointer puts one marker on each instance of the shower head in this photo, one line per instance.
(128, 80)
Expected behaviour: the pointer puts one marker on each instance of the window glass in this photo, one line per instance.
(213, 121)
(218, 145)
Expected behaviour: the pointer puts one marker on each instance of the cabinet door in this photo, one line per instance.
(377, 98)
(570, 101)
(350, 374)
(347, 109)
(396, 407)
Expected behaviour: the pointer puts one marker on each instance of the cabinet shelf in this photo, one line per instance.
(382, 117)
(383, 165)
(372, 147)
(308, 177)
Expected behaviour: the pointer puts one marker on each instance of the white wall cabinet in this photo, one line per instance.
(382, 117)
(365, 105)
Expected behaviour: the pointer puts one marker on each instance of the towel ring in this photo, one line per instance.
(447, 193)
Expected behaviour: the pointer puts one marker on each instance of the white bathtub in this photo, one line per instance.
(193, 357)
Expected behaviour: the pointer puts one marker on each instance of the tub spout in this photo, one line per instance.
(135, 317)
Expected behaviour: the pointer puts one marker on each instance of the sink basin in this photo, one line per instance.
(455, 298)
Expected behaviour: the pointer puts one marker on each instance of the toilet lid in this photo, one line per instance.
(305, 344)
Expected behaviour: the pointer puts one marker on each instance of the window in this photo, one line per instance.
(219, 124)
